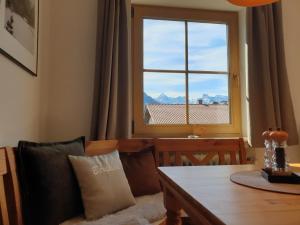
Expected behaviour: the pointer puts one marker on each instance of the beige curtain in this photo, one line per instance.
(269, 93)
(112, 98)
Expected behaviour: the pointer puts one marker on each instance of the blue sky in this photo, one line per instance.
(173, 85)
(164, 48)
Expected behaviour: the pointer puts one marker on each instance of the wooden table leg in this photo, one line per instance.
(173, 209)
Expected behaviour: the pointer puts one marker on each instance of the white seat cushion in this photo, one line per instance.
(148, 209)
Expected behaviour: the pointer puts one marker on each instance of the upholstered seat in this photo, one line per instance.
(150, 207)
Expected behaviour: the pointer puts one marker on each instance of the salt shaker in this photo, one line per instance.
(268, 155)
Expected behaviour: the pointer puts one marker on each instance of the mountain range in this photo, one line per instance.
(149, 100)
(217, 98)
(164, 99)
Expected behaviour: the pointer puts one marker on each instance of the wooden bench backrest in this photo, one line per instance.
(13, 189)
(8, 171)
(3, 201)
(123, 145)
(169, 151)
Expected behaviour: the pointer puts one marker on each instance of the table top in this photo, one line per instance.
(211, 191)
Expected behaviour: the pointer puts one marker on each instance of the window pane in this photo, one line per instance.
(207, 46)
(164, 98)
(208, 99)
(164, 44)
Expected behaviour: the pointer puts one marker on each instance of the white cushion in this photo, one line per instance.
(148, 209)
(103, 184)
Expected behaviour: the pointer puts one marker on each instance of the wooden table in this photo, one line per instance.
(209, 197)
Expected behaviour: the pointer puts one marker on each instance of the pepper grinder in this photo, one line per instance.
(279, 138)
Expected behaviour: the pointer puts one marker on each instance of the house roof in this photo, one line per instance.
(176, 114)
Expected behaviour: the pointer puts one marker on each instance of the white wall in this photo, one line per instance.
(56, 105)
(68, 89)
(291, 27)
(19, 104)
(20, 93)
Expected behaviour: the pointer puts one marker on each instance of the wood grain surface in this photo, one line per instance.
(209, 197)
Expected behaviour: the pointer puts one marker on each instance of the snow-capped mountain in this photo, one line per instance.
(149, 100)
(164, 99)
(205, 99)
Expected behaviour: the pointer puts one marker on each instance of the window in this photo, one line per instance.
(185, 65)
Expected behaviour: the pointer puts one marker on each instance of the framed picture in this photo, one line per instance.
(19, 32)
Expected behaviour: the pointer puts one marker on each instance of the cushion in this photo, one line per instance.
(49, 189)
(103, 184)
(112, 219)
(141, 172)
(148, 209)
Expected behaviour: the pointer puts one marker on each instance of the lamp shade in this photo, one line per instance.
(251, 2)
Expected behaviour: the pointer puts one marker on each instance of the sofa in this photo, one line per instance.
(164, 154)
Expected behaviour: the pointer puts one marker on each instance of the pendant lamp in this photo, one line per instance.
(251, 3)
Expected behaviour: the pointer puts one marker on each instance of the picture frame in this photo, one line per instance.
(19, 23)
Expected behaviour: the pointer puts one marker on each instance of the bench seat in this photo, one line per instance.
(149, 207)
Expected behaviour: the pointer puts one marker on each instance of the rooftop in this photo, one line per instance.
(176, 114)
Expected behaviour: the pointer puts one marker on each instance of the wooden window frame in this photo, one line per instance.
(141, 129)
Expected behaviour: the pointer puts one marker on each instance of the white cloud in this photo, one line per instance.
(214, 59)
(200, 78)
(165, 49)
(164, 78)
(164, 44)
(172, 85)
(204, 34)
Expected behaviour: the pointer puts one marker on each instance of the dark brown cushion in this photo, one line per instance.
(141, 172)
(49, 189)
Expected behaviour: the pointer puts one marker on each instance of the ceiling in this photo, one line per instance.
(196, 4)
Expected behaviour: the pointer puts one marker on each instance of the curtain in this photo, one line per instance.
(270, 102)
(112, 108)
